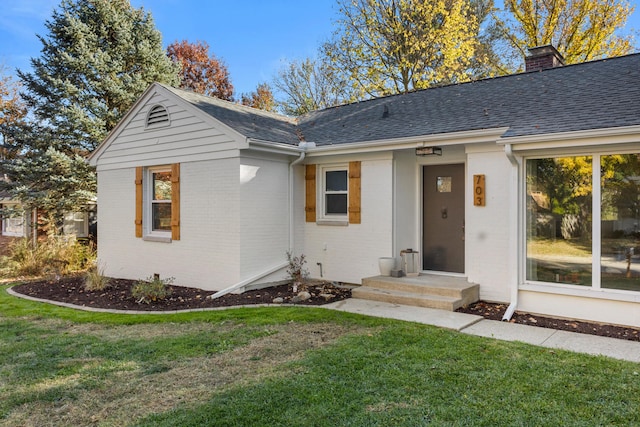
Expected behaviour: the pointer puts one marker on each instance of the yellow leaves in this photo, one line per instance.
(581, 30)
(406, 44)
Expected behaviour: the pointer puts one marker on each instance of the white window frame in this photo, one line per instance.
(148, 203)
(322, 193)
(9, 224)
(596, 238)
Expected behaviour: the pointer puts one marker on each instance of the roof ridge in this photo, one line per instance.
(485, 79)
(230, 104)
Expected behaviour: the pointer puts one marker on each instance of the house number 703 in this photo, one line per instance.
(478, 190)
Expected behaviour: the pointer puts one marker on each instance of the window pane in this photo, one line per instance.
(161, 213)
(559, 220)
(336, 180)
(162, 186)
(336, 203)
(620, 226)
(443, 184)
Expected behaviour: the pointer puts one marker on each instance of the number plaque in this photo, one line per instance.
(478, 190)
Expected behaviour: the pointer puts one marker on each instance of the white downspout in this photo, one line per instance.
(514, 226)
(303, 147)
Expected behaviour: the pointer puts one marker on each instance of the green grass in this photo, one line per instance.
(290, 367)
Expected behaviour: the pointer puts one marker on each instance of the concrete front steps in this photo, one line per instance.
(427, 290)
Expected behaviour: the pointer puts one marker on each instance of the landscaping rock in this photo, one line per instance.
(278, 300)
(302, 296)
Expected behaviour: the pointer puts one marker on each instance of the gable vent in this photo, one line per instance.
(158, 116)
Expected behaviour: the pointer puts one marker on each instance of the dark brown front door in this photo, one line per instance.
(443, 207)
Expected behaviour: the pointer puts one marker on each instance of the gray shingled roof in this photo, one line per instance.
(592, 95)
(250, 122)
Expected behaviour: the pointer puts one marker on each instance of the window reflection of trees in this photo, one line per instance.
(559, 220)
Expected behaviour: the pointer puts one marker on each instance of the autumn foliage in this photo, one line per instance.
(201, 72)
(262, 98)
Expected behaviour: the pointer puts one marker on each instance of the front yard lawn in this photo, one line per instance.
(290, 366)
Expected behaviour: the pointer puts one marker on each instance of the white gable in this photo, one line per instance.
(188, 135)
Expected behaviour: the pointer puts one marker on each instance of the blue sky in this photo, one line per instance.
(253, 37)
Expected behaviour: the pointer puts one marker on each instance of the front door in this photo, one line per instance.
(443, 218)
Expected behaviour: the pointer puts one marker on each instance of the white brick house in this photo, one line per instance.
(214, 194)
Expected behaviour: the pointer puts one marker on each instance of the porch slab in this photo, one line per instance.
(429, 316)
(426, 290)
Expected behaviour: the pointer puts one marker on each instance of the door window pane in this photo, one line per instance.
(620, 225)
(443, 184)
(559, 194)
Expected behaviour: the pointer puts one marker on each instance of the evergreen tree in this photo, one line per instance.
(97, 59)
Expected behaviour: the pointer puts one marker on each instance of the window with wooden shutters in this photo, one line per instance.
(158, 202)
(338, 196)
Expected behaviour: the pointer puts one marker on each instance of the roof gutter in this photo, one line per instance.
(275, 147)
(442, 139)
(514, 225)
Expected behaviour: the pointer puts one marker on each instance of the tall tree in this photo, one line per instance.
(394, 46)
(200, 71)
(261, 99)
(12, 112)
(97, 59)
(53, 182)
(489, 59)
(581, 30)
(310, 84)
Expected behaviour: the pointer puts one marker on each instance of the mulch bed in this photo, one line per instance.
(495, 311)
(117, 296)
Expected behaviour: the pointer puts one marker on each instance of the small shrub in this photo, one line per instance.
(95, 280)
(54, 255)
(152, 289)
(296, 270)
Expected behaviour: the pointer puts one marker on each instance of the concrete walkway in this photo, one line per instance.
(477, 325)
(462, 322)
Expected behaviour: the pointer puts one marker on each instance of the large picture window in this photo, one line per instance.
(583, 221)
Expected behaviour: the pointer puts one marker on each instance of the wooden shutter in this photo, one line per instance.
(175, 201)
(354, 193)
(138, 220)
(310, 200)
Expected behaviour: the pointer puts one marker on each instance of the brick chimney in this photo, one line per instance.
(543, 57)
